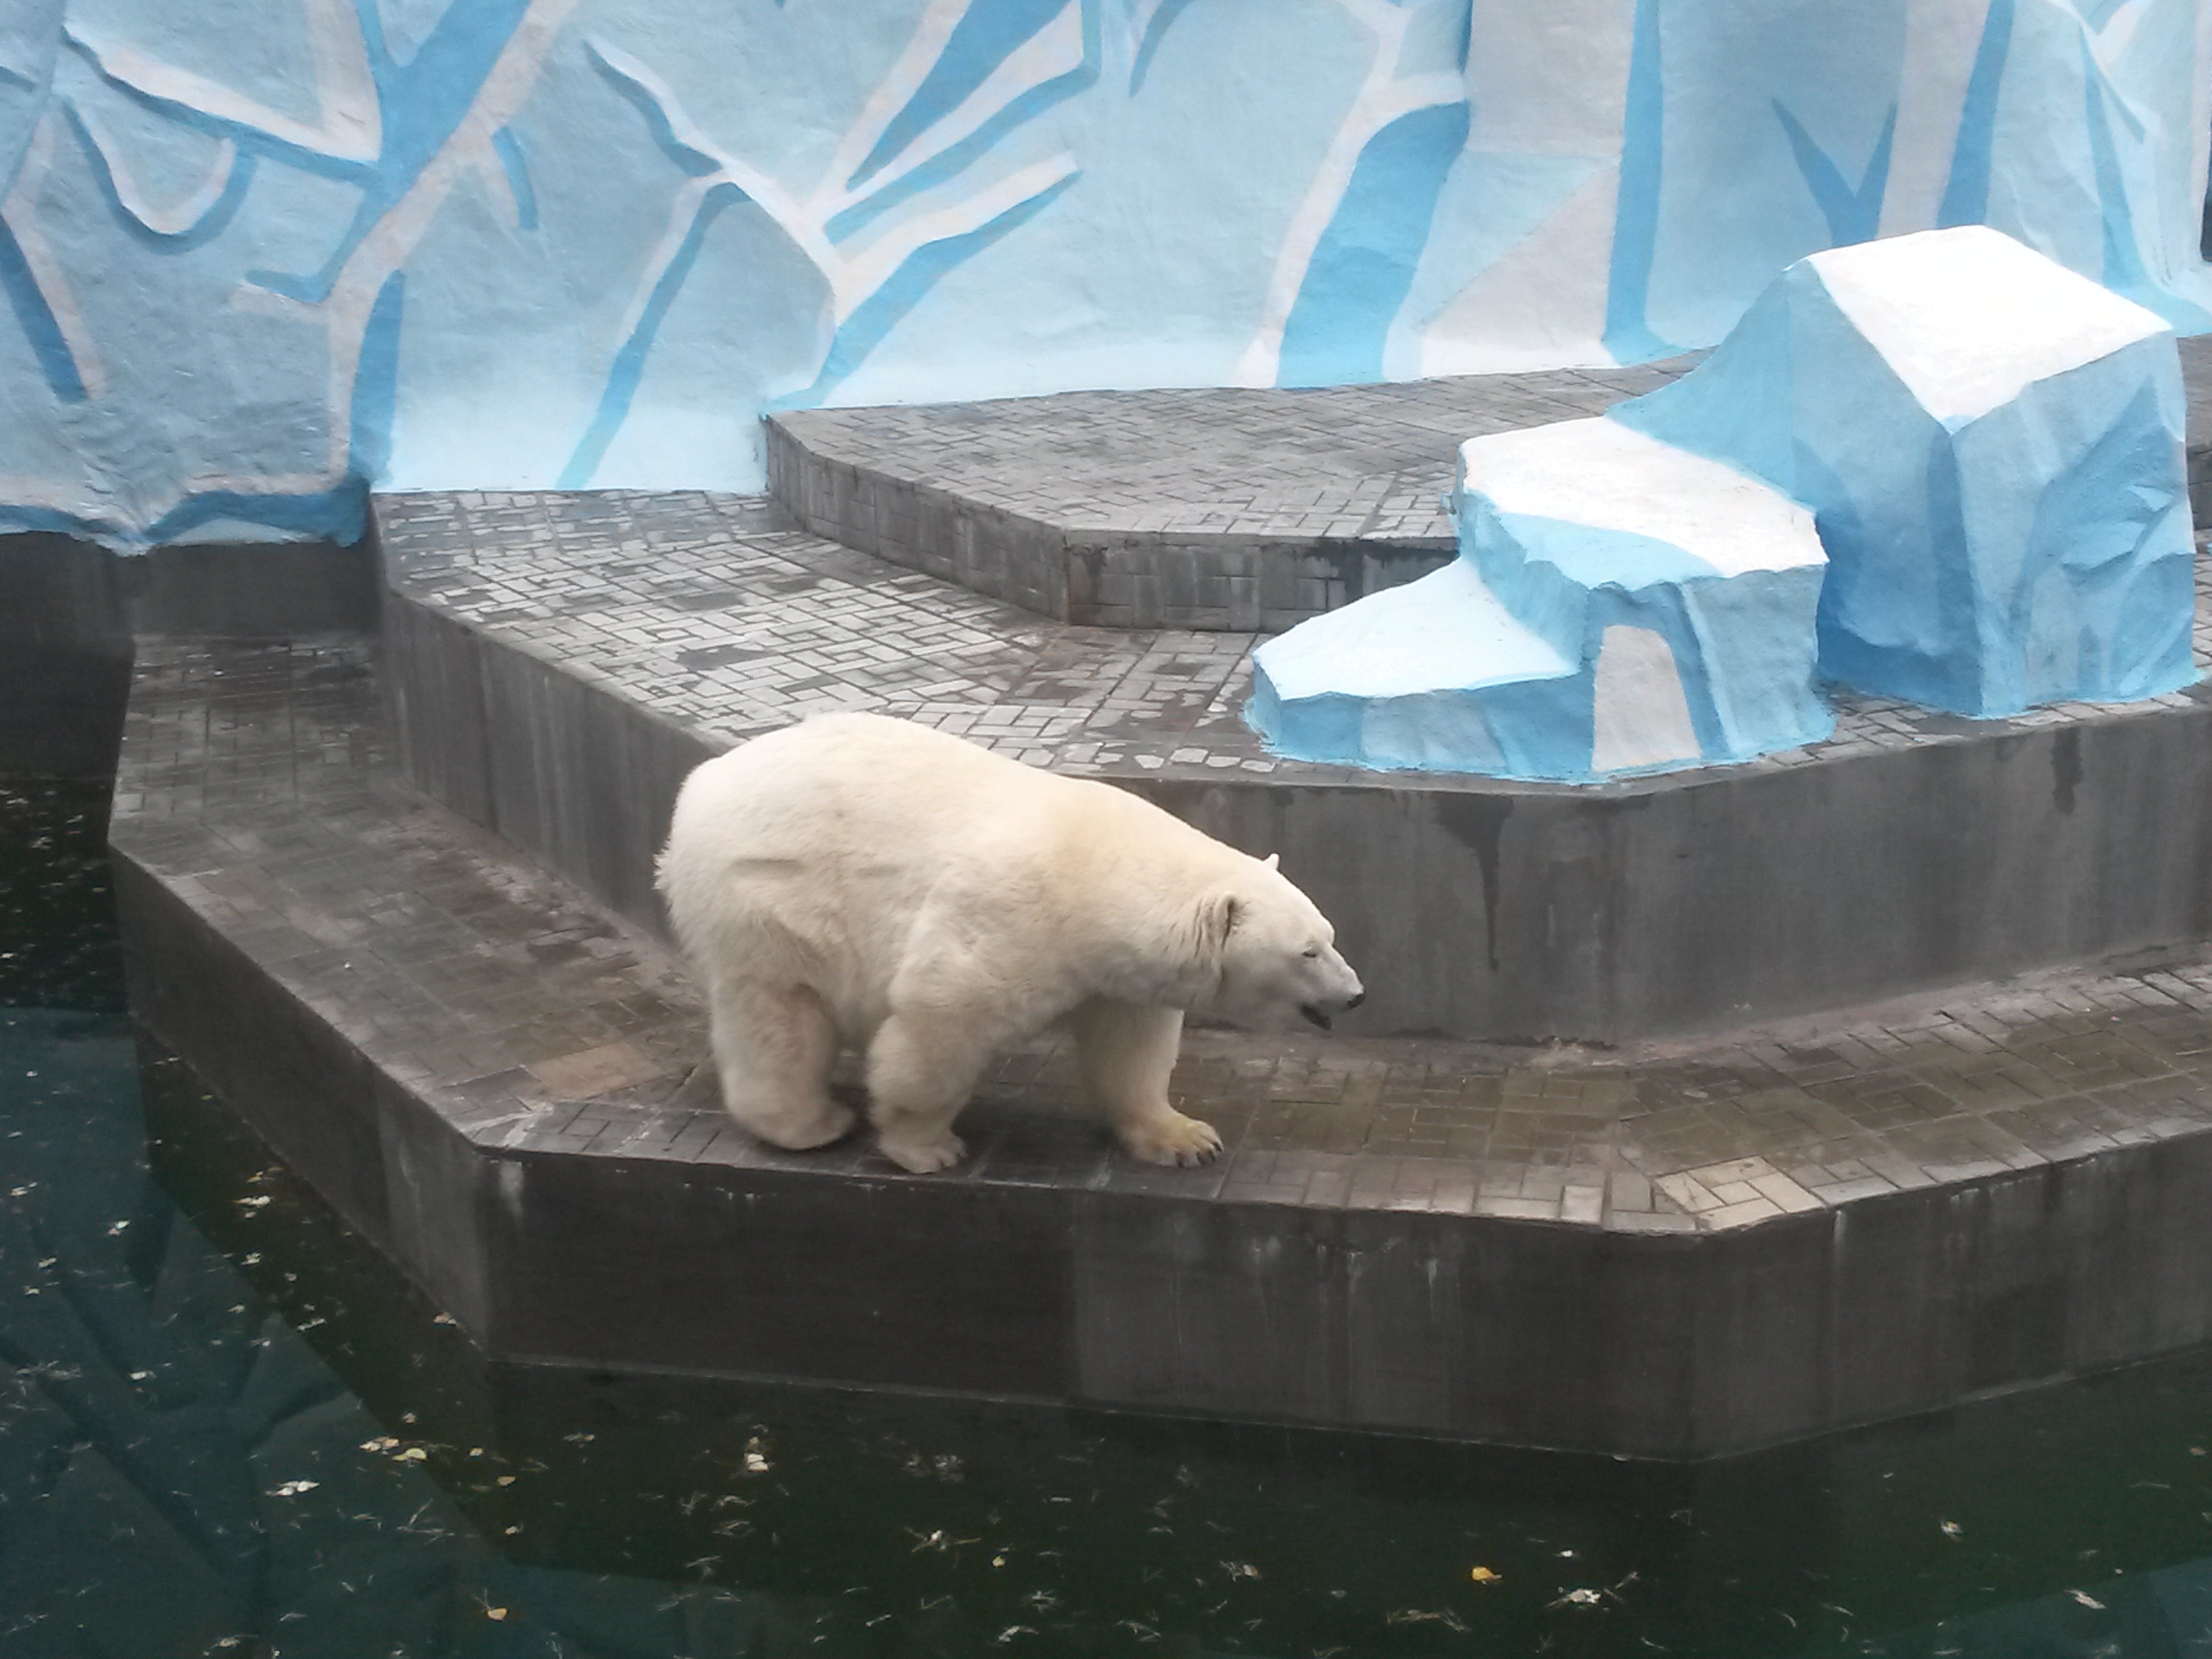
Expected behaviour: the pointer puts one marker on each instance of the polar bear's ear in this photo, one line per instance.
(1217, 919)
(1274, 860)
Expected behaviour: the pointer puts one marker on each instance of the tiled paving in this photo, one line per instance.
(256, 785)
(1335, 463)
(718, 612)
(1208, 508)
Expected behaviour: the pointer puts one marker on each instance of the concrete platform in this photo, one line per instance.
(70, 613)
(556, 664)
(1673, 1253)
(1206, 508)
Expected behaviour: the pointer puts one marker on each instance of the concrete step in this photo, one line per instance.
(1205, 508)
(1675, 1253)
(557, 663)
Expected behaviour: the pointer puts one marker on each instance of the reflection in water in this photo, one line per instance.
(225, 1426)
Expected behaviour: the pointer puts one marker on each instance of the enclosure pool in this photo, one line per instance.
(228, 1427)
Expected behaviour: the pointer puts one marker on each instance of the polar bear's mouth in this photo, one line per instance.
(1314, 1014)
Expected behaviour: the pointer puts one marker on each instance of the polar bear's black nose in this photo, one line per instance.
(1357, 1000)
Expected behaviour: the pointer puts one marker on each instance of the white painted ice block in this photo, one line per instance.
(1994, 447)
(1618, 606)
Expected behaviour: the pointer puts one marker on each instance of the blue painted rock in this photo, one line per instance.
(1994, 447)
(1618, 606)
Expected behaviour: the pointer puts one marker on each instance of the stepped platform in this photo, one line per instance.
(556, 664)
(1197, 509)
(1591, 1168)
(1205, 508)
(1672, 1252)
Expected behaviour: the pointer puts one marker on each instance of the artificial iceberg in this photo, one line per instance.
(1994, 449)
(1620, 605)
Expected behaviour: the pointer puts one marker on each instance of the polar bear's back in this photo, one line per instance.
(853, 786)
(820, 851)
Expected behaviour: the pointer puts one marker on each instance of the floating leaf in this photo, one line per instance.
(1484, 1576)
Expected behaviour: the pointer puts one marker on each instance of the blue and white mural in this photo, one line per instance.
(256, 252)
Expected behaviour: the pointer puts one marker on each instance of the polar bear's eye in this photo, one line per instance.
(1313, 950)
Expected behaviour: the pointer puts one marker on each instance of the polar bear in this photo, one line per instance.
(869, 881)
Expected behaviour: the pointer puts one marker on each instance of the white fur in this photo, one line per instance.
(859, 880)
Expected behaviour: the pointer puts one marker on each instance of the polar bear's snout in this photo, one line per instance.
(1344, 991)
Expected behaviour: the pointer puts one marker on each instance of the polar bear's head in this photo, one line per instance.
(1272, 954)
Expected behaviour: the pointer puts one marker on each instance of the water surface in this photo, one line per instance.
(227, 1426)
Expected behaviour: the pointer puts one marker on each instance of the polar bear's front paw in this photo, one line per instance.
(1171, 1138)
(925, 1157)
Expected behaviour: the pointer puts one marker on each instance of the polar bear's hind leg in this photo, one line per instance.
(1128, 1054)
(774, 1046)
(921, 1069)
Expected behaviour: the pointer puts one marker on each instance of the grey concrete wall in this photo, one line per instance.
(1724, 897)
(1479, 1328)
(1483, 909)
(1100, 578)
(70, 611)
(582, 780)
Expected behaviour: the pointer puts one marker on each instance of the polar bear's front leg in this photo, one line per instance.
(1128, 1054)
(921, 1069)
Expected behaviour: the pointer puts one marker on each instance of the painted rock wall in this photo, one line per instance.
(256, 252)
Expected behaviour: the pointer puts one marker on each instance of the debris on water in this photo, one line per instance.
(1952, 1529)
(1445, 1616)
(294, 1488)
(1484, 1576)
(941, 1541)
(755, 1457)
(383, 1442)
(412, 1454)
(2086, 1600)
(1012, 1632)
(580, 1438)
(494, 1613)
(258, 1202)
(504, 1480)
(1580, 1598)
(445, 1319)
(1240, 1570)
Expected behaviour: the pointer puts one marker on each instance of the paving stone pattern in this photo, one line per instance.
(720, 613)
(1336, 463)
(1200, 509)
(1213, 508)
(256, 785)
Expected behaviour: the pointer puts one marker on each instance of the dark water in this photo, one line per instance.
(228, 1428)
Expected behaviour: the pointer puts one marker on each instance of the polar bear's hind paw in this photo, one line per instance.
(924, 1157)
(1172, 1139)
